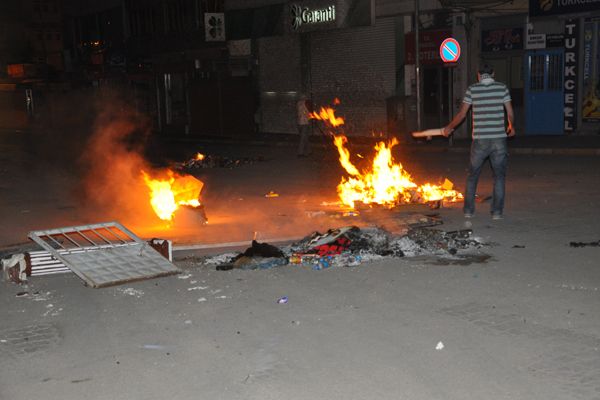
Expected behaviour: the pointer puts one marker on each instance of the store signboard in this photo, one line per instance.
(303, 16)
(505, 39)
(590, 111)
(313, 15)
(429, 46)
(554, 40)
(540, 8)
(535, 41)
(570, 73)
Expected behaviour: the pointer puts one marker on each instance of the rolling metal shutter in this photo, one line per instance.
(358, 66)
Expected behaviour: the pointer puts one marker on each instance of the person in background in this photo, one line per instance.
(304, 108)
(489, 99)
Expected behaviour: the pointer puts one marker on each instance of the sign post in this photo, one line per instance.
(450, 50)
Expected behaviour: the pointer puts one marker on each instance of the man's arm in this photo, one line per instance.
(510, 131)
(458, 118)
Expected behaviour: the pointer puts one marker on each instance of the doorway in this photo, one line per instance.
(544, 101)
(436, 96)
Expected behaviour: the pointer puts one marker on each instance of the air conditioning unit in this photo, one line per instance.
(214, 27)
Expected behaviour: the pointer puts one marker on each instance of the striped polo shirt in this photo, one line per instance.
(487, 98)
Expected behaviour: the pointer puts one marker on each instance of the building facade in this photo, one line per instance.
(562, 66)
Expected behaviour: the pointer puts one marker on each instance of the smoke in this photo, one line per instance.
(112, 162)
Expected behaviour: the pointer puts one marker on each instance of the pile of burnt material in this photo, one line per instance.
(352, 246)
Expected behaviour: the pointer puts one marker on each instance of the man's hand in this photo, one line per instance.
(510, 131)
(447, 131)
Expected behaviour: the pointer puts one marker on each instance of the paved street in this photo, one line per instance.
(523, 325)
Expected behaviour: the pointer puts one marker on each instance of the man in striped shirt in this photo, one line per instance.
(489, 99)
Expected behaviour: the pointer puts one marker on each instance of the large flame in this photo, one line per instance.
(385, 182)
(167, 194)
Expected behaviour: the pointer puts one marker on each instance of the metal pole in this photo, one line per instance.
(417, 65)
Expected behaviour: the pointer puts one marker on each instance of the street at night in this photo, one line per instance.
(311, 199)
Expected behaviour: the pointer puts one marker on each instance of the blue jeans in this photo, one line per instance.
(497, 151)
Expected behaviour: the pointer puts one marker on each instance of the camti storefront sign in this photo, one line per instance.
(539, 8)
(302, 16)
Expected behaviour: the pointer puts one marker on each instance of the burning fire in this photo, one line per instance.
(200, 156)
(327, 114)
(168, 194)
(386, 182)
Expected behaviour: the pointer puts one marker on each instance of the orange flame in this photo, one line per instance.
(200, 156)
(386, 182)
(327, 114)
(167, 194)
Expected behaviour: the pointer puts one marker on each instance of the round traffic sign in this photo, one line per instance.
(450, 50)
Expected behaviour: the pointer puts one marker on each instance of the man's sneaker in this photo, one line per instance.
(468, 215)
(497, 216)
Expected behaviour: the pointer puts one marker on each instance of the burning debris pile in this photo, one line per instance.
(172, 191)
(350, 246)
(385, 182)
(200, 161)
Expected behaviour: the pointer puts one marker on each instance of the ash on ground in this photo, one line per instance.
(352, 246)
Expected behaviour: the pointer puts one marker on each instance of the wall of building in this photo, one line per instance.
(280, 82)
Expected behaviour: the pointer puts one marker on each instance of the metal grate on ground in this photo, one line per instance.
(104, 254)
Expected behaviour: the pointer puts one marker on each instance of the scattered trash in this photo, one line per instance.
(439, 346)
(219, 259)
(272, 194)
(15, 268)
(305, 259)
(314, 214)
(187, 322)
(585, 244)
(258, 256)
(22, 294)
(154, 347)
(518, 246)
(214, 161)
(282, 300)
(197, 288)
(132, 292)
(351, 246)
(201, 299)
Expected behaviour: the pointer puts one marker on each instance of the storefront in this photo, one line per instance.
(326, 49)
(564, 66)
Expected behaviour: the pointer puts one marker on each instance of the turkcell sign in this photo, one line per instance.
(570, 73)
(307, 16)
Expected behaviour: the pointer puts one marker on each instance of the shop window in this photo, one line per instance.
(555, 72)
(536, 83)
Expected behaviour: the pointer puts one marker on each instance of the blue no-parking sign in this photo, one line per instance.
(450, 50)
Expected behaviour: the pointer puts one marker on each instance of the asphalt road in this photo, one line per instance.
(523, 325)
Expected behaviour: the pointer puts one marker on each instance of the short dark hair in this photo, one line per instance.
(486, 69)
